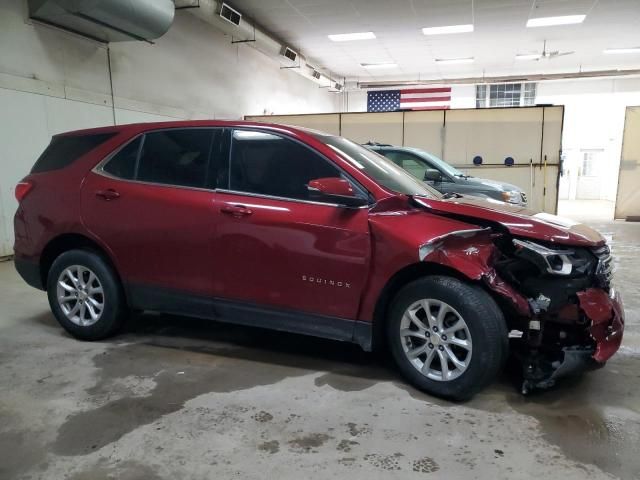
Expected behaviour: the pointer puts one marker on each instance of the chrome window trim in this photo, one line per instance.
(99, 170)
(287, 199)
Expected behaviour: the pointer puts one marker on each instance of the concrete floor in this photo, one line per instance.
(179, 398)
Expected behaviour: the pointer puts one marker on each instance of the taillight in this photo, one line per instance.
(22, 189)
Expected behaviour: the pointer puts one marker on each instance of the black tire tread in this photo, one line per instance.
(115, 311)
(490, 335)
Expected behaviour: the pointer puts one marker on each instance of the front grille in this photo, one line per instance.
(524, 197)
(604, 270)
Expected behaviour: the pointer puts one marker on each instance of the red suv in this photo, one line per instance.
(297, 230)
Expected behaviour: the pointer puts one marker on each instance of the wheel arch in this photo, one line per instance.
(413, 272)
(73, 241)
(401, 278)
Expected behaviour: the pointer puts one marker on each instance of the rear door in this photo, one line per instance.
(152, 205)
(274, 246)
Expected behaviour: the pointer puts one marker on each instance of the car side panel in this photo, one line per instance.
(395, 247)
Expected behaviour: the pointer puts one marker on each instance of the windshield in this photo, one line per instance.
(439, 163)
(382, 170)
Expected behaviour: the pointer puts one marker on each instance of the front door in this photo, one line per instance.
(276, 247)
(152, 204)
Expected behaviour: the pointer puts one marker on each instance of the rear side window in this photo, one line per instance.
(65, 149)
(176, 157)
(182, 157)
(123, 164)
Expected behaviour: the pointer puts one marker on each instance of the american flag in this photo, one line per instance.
(429, 98)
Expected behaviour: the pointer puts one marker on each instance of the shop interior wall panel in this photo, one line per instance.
(628, 197)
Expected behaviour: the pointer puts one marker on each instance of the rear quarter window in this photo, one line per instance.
(66, 149)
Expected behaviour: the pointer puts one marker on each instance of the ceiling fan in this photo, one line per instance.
(544, 55)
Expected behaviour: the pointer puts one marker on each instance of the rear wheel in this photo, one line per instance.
(85, 295)
(448, 338)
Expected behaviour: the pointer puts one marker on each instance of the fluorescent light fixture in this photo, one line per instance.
(378, 65)
(448, 29)
(528, 56)
(615, 51)
(451, 61)
(348, 37)
(551, 21)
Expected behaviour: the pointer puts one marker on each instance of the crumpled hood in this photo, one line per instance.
(519, 221)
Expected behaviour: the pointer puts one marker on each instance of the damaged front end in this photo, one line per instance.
(563, 314)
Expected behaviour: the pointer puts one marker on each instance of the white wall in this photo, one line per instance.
(53, 81)
(594, 120)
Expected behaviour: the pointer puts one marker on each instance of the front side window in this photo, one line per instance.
(409, 162)
(267, 164)
(377, 167)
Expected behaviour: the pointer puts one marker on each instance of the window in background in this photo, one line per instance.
(506, 95)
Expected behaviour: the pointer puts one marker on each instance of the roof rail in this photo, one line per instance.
(371, 143)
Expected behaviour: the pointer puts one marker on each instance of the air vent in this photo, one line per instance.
(290, 54)
(230, 15)
(316, 74)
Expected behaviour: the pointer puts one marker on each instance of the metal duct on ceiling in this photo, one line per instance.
(247, 32)
(107, 20)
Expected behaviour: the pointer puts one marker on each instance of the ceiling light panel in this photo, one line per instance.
(448, 29)
(452, 61)
(379, 65)
(528, 56)
(349, 37)
(553, 21)
(617, 51)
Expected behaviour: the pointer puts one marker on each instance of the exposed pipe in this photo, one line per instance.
(503, 79)
(251, 34)
(113, 99)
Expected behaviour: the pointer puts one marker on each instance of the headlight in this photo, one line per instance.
(512, 196)
(555, 261)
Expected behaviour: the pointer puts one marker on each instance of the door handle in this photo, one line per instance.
(236, 210)
(108, 195)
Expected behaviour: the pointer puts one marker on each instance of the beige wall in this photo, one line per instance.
(628, 199)
(532, 136)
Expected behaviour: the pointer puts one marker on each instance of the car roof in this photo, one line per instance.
(135, 128)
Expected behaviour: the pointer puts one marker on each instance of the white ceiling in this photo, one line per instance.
(499, 34)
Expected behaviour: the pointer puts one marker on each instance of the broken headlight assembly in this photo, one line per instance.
(563, 261)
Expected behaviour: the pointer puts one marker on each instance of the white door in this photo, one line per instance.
(589, 180)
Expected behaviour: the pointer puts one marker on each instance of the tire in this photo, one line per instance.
(95, 283)
(479, 344)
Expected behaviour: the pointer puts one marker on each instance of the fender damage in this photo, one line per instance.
(561, 322)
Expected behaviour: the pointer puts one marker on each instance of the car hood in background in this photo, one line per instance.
(486, 184)
(518, 220)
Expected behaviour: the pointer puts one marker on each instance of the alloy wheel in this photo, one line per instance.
(436, 339)
(80, 295)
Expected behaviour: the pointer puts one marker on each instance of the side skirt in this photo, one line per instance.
(158, 299)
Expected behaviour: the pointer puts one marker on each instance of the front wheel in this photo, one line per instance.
(448, 338)
(85, 295)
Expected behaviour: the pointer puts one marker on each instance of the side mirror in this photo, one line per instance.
(432, 175)
(335, 190)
